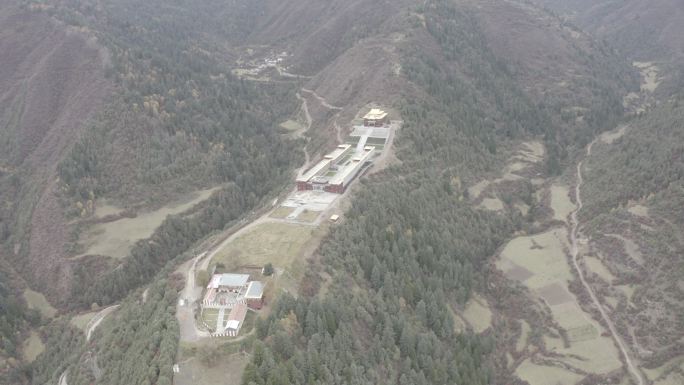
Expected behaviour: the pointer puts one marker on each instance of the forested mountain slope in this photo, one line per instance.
(634, 193)
(381, 297)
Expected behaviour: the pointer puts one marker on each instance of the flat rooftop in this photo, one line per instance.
(338, 152)
(320, 166)
(233, 280)
(353, 165)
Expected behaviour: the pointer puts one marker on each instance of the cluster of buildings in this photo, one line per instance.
(338, 169)
(228, 290)
(235, 293)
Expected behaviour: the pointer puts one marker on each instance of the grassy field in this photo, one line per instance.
(278, 243)
(596, 266)
(36, 300)
(292, 125)
(477, 314)
(492, 204)
(550, 375)
(32, 347)
(560, 202)
(227, 372)
(477, 189)
(115, 239)
(209, 316)
(81, 321)
(308, 216)
(282, 212)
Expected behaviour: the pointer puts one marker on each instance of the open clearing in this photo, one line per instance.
(492, 204)
(539, 261)
(560, 202)
(631, 248)
(596, 266)
(611, 136)
(667, 373)
(32, 347)
(477, 314)
(282, 212)
(649, 73)
(115, 239)
(103, 209)
(292, 125)
(546, 375)
(272, 242)
(81, 321)
(308, 216)
(639, 210)
(37, 301)
(228, 372)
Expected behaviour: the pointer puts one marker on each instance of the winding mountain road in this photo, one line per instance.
(574, 236)
(95, 322)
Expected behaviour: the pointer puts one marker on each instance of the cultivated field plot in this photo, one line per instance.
(115, 239)
(560, 202)
(37, 301)
(547, 375)
(539, 262)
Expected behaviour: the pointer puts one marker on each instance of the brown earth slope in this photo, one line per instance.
(52, 81)
(644, 29)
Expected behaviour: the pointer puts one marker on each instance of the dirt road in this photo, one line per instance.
(186, 313)
(574, 239)
(63, 378)
(321, 100)
(95, 322)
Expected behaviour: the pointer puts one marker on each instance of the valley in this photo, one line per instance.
(305, 192)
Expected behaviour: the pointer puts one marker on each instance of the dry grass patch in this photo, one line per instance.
(492, 204)
(639, 210)
(282, 212)
(560, 202)
(477, 314)
(291, 125)
(546, 375)
(308, 216)
(477, 189)
(32, 347)
(81, 321)
(37, 301)
(115, 239)
(278, 243)
(595, 265)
